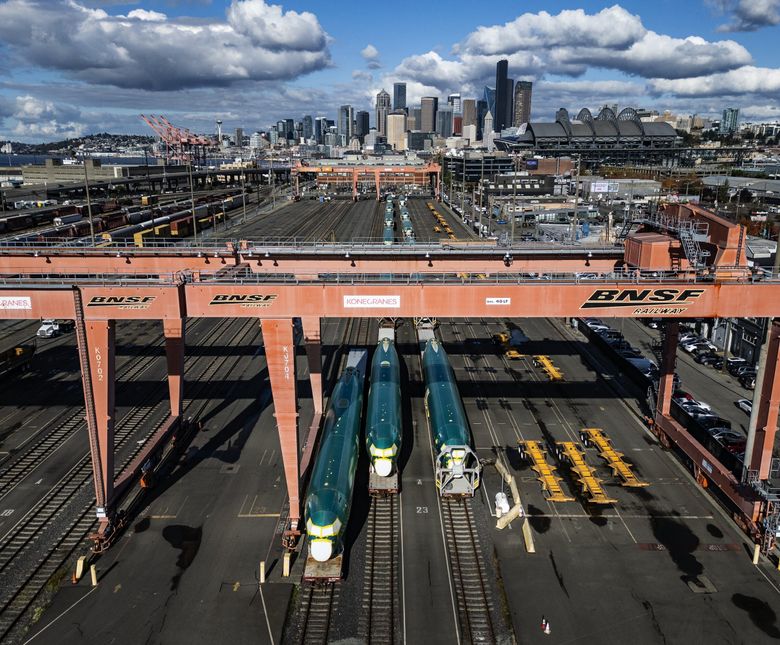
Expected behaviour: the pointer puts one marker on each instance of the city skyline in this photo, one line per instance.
(251, 63)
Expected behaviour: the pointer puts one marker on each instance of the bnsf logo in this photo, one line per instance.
(125, 302)
(244, 300)
(611, 298)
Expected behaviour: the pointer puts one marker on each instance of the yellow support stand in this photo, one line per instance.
(591, 485)
(613, 458)
(553, 373)
(533, 451)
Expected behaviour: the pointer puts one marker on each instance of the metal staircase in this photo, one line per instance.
(688, 231)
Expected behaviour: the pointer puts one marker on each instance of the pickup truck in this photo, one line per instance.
(50, 328)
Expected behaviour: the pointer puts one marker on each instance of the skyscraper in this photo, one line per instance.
(510, 102)
(522, 103)
(289, 129)
(308, 127)
(320, 128)
(429, 106)
(346, 116)
(469, 112)
(239, 136)
(399, 96)
(396, 130)
(361, 124)
(444, 121)
(281, 131)
(500, 115)
(729, 121)
(382, 110)
(415, 115)
(482, 110)
(454, 101)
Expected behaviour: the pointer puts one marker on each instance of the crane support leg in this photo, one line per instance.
(280, 358)
(766, 420)
(174, 353)
(311, 335)
(669, 358)
(100, 420)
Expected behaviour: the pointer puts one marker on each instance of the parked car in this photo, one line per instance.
(594, 322)
(610, 334)
(725, 434)
(629, 352)
(732, 364)
(701, 345)
(735, 446)
(684, 339)
(706, 358)
(745, 405)
(707, 421)
(693, 403)
(742, 369)
(748, 380)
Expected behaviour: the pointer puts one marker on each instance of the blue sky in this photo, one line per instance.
(70, 67)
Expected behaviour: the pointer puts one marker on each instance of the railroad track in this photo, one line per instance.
(18, 594)
(317, 601)
(472, 590)
(50, 442)
(381, 577)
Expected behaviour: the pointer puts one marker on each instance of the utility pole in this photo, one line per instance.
(89, 206)
(481, 190)
(452, 168)
(243, 196)
(514, 200)
(273, 180)
(192, 204)
(463, 187)
(576, 202)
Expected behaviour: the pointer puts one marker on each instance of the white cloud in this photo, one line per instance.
(371, 56)
(362, 75)
(143, 14)
(369, 52)
(567, 29)
(43, 119)
(570, 43)
(270, 27)
(752, 80)
(148, 50)
(750, 15)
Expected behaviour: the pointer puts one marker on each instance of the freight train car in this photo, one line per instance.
(383, 416)
(457, 466)
(333, 477)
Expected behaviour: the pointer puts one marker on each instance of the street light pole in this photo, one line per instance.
(192, 205)
(576, 202)
(89, 205)
(514, 199)
(243, 196)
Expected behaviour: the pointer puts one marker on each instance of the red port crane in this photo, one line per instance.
(180, 144)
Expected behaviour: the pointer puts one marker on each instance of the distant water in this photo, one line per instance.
(22, 160)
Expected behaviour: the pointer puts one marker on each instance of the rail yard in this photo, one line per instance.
(358, 392)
